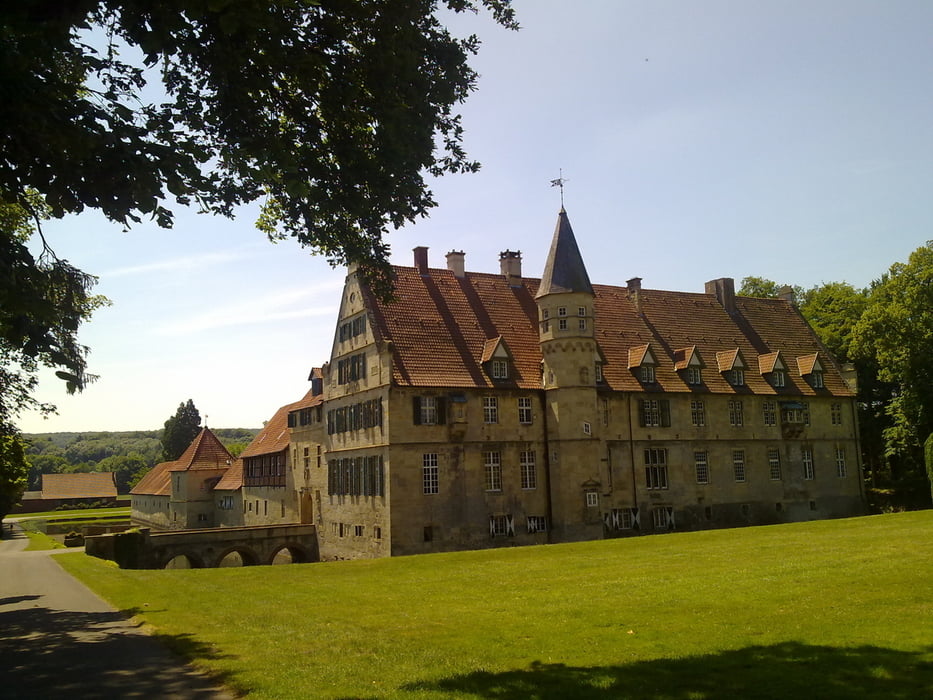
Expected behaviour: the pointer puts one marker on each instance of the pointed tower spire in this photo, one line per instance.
(564, 270)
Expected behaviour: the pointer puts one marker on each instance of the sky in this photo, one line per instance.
(789, 140)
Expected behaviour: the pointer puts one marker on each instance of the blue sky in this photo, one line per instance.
(791, 140)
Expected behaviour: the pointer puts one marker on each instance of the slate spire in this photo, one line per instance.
(564, 270)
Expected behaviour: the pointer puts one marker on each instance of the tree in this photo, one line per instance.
(764, 288)
(14, 470)
(180, 430)
(896, 332)
(332, 112)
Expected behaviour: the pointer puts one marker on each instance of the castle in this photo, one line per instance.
(481, 410)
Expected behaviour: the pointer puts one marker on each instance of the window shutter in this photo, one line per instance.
(641, 413)
(416, 402)
(510, 526)
(441, 410)
(492, 526)
(635, 520)
(665, 413)
(670, 517)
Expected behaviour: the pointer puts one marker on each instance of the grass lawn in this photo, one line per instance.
(50, 515)
(40, 541)
(831, 609)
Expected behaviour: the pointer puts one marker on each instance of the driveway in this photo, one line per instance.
(59, 640)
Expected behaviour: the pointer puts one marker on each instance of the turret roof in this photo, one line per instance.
(564, 270)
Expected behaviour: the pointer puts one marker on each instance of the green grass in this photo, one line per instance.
(50, 515)
(39, 541)
(831, 609)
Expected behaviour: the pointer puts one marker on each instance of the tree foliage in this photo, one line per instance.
(180, 430)
(896, 332)
(332, 111)
(14, 471)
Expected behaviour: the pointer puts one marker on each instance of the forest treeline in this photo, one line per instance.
(128, 454)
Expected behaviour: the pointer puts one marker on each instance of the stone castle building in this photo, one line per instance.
(480, 410)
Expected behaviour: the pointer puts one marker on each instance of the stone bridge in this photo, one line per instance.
(206, 548)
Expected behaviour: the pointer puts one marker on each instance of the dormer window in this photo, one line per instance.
(811, 369)
(647, 374)
(737, 377)
(816, 380)
(778, 379)
(694, 376)
(688, 361)
(642, 362)
(496, 358)
(500, 369)
(732, 366)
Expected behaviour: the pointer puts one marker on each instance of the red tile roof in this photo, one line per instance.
(439, 326)
(232, 478)
(92, 485)
(274, 436)
(204, 452)
(156, 482)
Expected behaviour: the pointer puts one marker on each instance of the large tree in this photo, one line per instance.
(180, 430)
(14, 470)
(331, 112)
(896, 332)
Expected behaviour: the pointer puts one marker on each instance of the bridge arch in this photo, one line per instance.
(181, 560)
(237, 555)
(290, 553)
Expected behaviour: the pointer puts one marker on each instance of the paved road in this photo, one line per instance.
(59, 640)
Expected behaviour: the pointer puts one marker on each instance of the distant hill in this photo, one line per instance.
(129, 454)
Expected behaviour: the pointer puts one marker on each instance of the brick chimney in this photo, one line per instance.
(421, 259)
(456, 260)
(510, 264)
(724, 290)
(787, 294)
(634, 292)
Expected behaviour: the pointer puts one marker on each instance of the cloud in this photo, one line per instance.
(190, 262)
(281, 305)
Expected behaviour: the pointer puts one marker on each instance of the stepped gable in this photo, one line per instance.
(439, 326)
(91, 485)
(232, 480)
(204, 452)
(156, 482)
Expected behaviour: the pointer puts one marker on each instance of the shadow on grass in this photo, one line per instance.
(47, 653)
(785, 670)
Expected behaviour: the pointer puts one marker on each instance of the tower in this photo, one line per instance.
(569, 372)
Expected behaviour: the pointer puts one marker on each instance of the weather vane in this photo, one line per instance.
(559, 182)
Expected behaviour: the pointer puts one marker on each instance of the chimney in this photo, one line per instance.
(634, 292)
(455, 263)
(421, 259)
(510, 264)
(724, 289)
(787, 294)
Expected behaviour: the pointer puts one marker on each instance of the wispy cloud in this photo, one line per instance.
(190, 262)
(304, 302)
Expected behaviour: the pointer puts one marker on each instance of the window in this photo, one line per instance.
(358, 530)
(795, 413)
(697, 414)
(430, 473)
(701, 466)
(622, 518)
(647, 374)
(694, 376)
(807, 454)
(490, 409)
(581, 324)
(778, 378)
(736, 416)
(663, 517)
(774, 463)
(835, 413)
(353, 328)
(202, 517)
(351, 368)
(737, 377)
(377, 533)
(493, 471)
(816, 380)
(653, 413)
(524, 410)
(587, 428)
(738, 465)
(306, 459)
(841, 462)
(545, 323)
(592, 499)
(561, 310)
(598, 373)
(429, 410)
(528, 469)
(769, 413)
(604, 410)
(656, 468)
(536, 523)
(581, 311)
(501, 526)
(562, 324)
(500, 369)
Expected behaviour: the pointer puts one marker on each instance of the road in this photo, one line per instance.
(60, 640)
